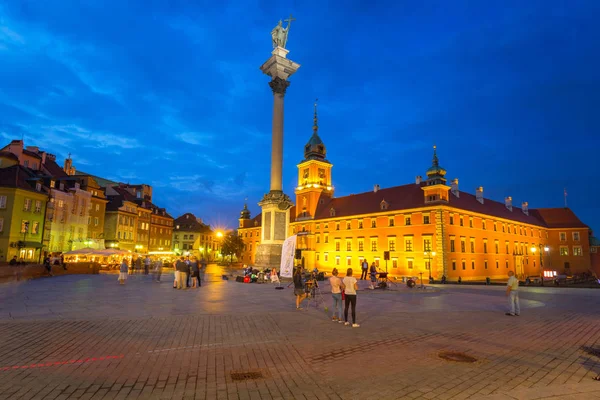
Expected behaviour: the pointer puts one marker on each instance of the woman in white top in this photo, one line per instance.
(336, 292)
(350, 288)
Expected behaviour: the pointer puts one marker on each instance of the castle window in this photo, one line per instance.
(383, 205)
(452, 246)
(463, 264)
(408, 244)
(472, 264)
(462, 245)
(391, 221)
(348, 225)
(318, 239)
(373, 244)
(332, 212)
(426, 219)
(337, 245)
(485, 265)
(326, 238)
(563, 236)
(453, 265)
(483, 225)
(337, 226)
(451, 219)
(373, 223)
(348, 245)
(407, 220)
(361, 245)
(392, 244)
(360, 224)
(461, 221)
(470, 222)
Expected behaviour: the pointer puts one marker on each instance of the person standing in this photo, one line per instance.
(147, 263)
(364, 266)
(176, 273)
(132, 265)
(373, 274)
(189, 271)
(195, 273)
(123, 272)
(512, 292)
(182, 267)
(138, 264)
(336, 294)
(299, 287)
(350, 288)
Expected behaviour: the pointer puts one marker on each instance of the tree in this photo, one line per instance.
(232, 245)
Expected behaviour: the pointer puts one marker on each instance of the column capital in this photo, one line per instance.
(279, 85)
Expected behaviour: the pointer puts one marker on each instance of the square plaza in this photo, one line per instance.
(86, 337)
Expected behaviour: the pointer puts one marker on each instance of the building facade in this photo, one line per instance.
(427, 227)
(191, 236)
(23, 200)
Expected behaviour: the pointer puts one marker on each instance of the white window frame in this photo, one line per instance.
(576, 234)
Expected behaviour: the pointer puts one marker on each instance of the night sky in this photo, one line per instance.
(170, 94)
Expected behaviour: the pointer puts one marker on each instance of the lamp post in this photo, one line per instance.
(547, 254)
(429, 255)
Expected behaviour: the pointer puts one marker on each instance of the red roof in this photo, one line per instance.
(559, 218)
(54, 169)
(18, 177)
(8, 154)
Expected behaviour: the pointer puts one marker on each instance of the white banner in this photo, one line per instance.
(287, 257)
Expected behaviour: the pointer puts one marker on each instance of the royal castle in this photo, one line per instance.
(428, 226)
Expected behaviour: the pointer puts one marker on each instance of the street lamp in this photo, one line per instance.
(429, 255)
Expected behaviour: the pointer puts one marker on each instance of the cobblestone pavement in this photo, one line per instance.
(86, 337)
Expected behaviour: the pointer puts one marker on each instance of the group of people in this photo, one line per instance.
(341, 290)
(370, 271)
(187, 270)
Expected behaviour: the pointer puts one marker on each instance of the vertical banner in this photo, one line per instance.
(287, 257)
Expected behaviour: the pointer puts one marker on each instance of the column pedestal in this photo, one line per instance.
(275, 224)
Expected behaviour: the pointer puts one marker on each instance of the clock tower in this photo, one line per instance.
(314, 176)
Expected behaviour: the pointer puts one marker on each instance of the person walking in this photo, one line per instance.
(373, 274)
(364, 266)
(299, 287)
(123, 272)
(512, 292)
(336, 294)
(202, 270)
(132, 265)
(147, 263)
(182, 267)
(48, 265)
(195, 272)
(350, 288)
(158, 269)
(176, 273)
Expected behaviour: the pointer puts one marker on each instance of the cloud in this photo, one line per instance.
(195, 138)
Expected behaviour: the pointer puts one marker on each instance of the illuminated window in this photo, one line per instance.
(348, 245)
(427, 244)
(373, 244)
(36, 227)
(27, 205)
(564, 251)
(408, 244)
(392, 244)
(577, 251)
(24, 226)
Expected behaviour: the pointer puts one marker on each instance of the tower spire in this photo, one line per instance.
(436, 162)
(316, 119)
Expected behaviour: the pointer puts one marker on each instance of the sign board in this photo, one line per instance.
(287, 257)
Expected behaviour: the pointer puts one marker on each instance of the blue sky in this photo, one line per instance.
(170, 94)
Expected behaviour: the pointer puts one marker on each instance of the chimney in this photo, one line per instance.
(375, 188)
(525, 208)
(454, 188)
(418, 179)
(508, 202)
(479, 194)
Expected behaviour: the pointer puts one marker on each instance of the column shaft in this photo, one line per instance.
(277, 144)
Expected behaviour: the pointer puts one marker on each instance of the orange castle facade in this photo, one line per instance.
(426, 227)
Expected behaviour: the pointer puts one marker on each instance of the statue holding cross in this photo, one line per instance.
(280, 34)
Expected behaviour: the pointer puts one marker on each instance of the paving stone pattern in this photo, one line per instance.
(86, 337)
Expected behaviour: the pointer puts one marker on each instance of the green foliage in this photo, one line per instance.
(232, 245)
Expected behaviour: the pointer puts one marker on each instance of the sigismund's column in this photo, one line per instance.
(276, 205)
